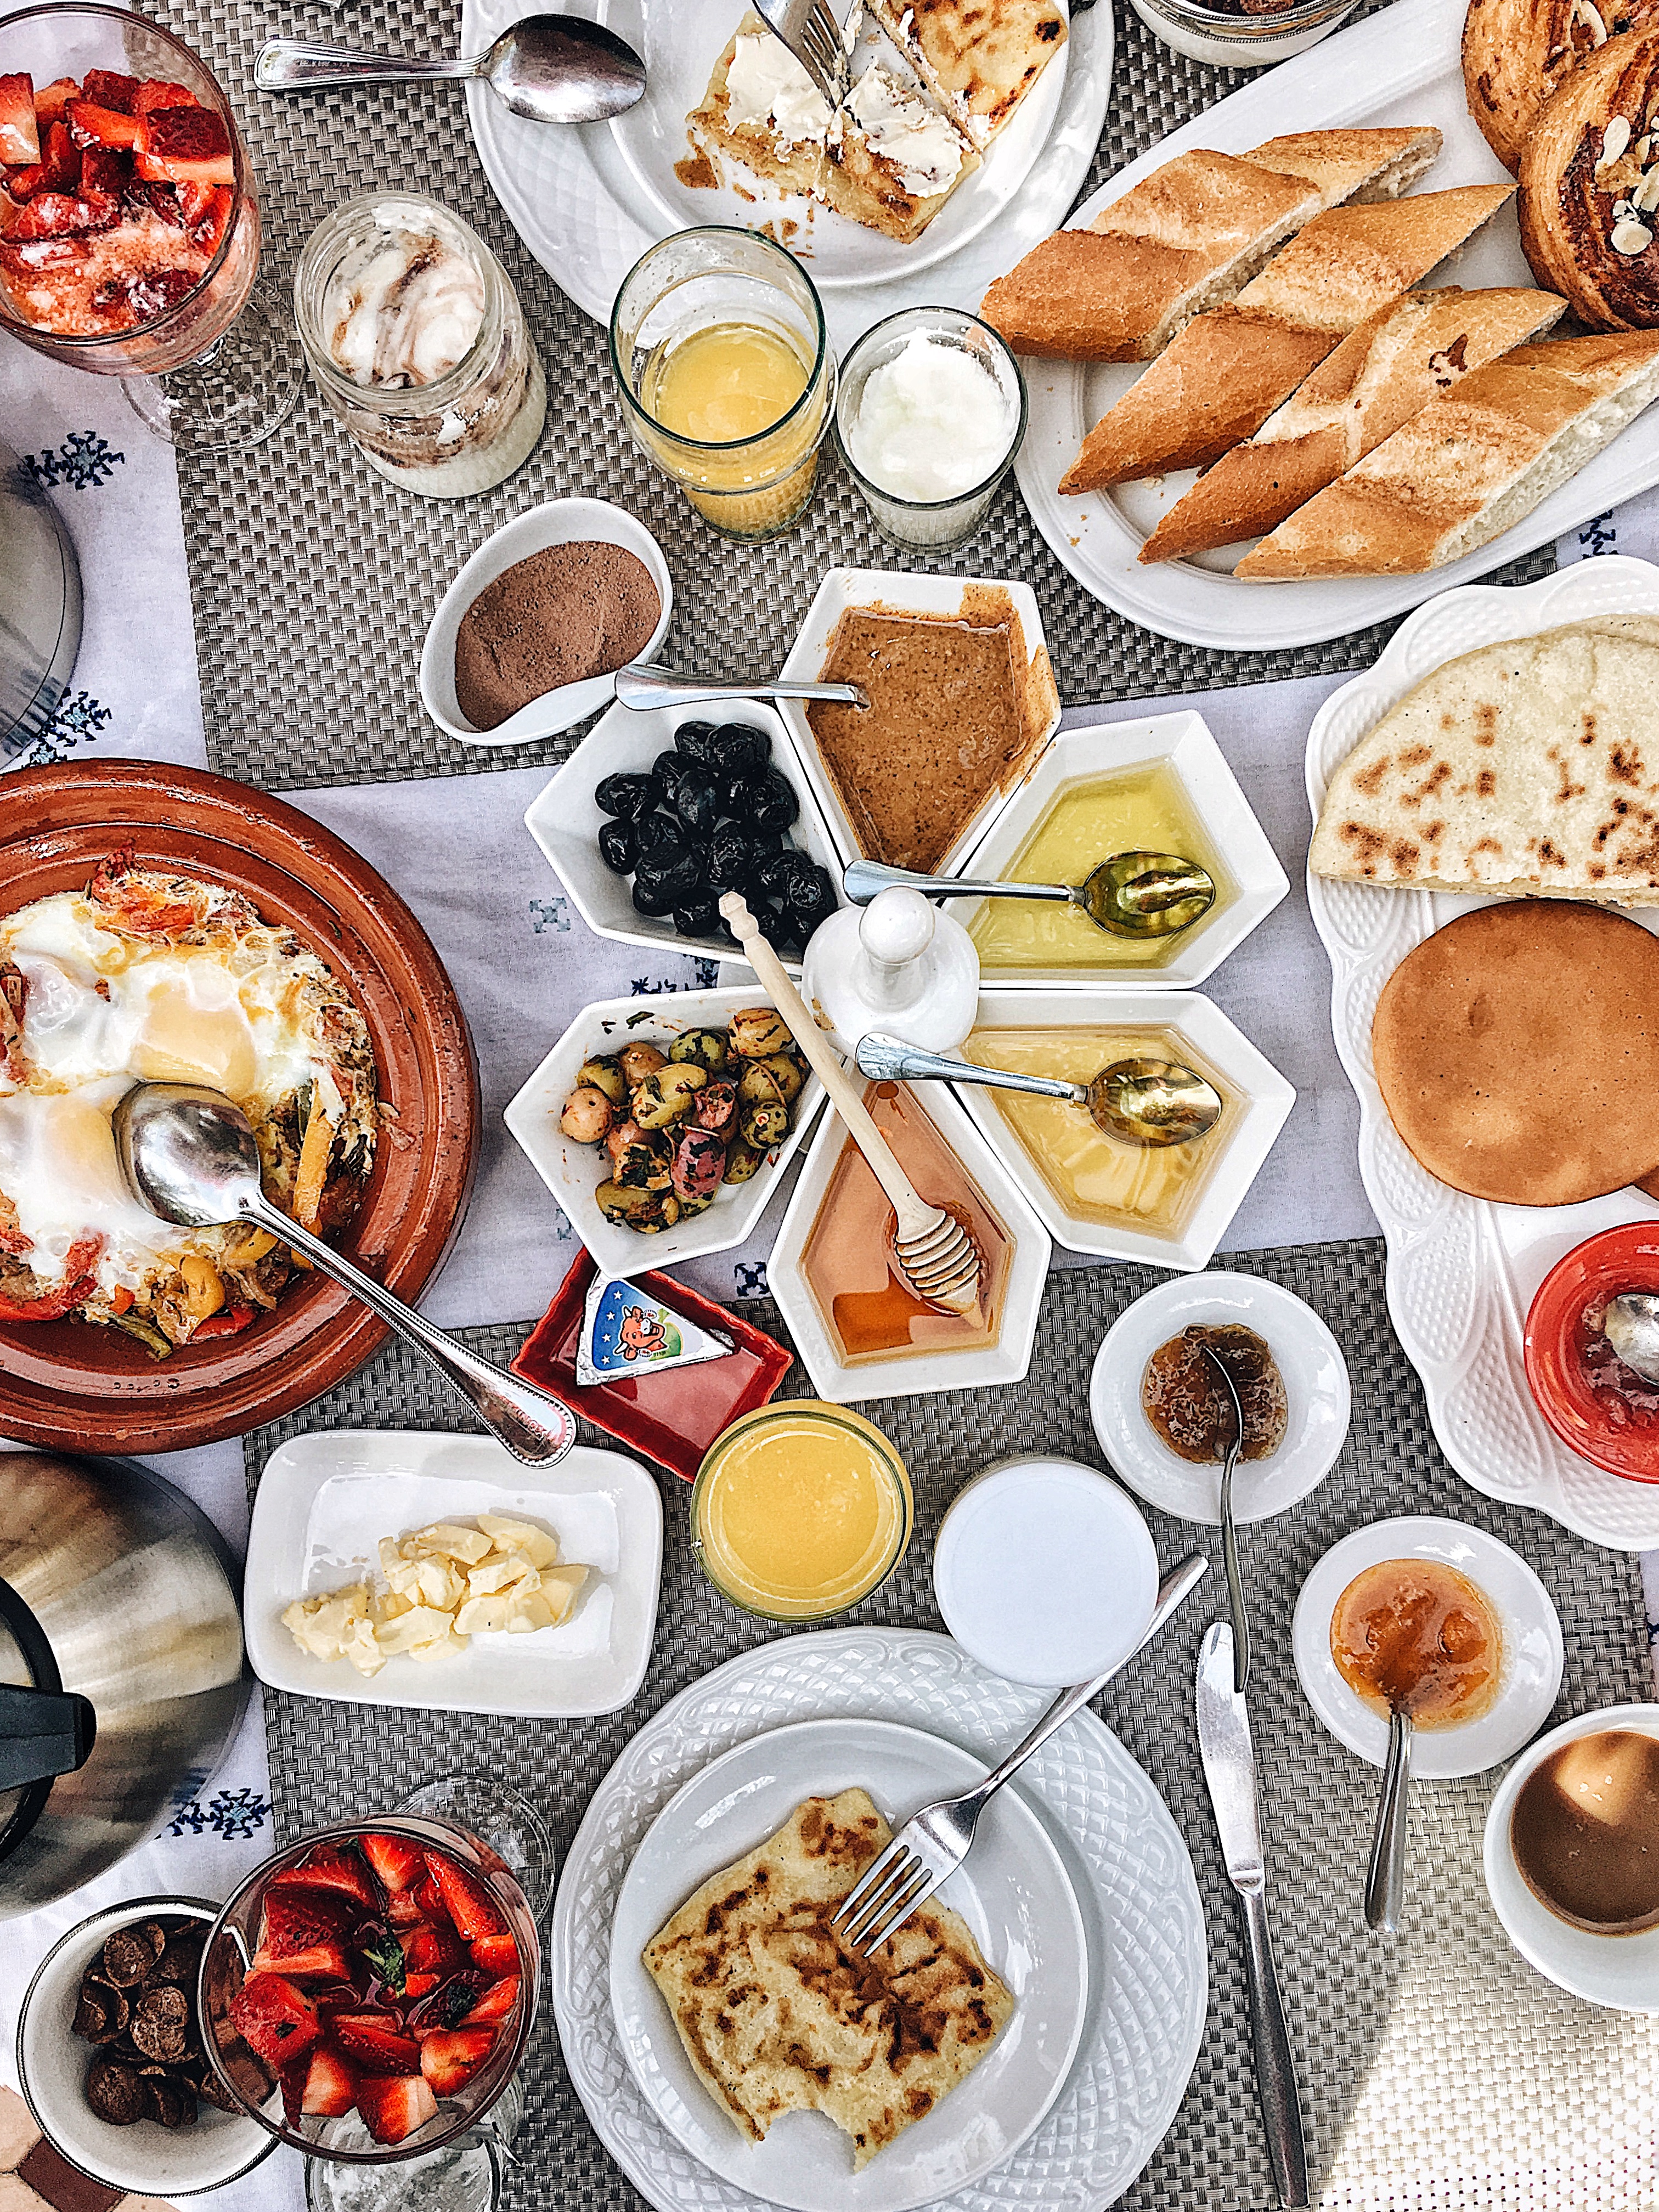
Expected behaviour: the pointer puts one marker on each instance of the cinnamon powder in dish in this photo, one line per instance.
(566, 613)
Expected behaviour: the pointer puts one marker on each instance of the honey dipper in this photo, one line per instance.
(936, 1255)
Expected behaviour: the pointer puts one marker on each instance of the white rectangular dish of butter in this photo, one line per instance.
(326, 1500)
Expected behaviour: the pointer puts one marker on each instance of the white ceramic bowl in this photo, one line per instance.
(574, 1172)
(1531, 1675)
(1619, 1970)
(1241, 1139)
(907, 593)
(1315, 1391)
(898, 1375)
(565, 818)
(1045, 1572)
(1251, 887)
(560, 522)
(52, 2065)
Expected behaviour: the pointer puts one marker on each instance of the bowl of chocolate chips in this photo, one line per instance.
(111, 2059)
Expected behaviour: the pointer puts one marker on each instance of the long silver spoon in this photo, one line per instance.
(1139, 1102)
(1385, 1876)
(1130, 895)
(644, 687)
(554, 69)
(1630, 1325)
(1229, 1529)
(189, 1155)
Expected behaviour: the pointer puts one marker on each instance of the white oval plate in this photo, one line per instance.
(1013, 1893)
(1315, 1389)
(1123, 1855)
(1462, 1271)
(580, 208)
(1532, 1645)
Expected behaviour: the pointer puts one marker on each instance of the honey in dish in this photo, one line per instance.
(800, 1509)
(1416, 1635)
(1149, 1188)
(1585, 1832)
(848, 1262)
(1185, 1399)
(1144, 810)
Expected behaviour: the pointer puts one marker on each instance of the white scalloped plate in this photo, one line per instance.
(1462, 1271)
(1143, 1921)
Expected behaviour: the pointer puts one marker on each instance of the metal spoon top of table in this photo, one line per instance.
(188, 1154)
(1631, 1326)
(1130, 895)
(1229, 1529)
(1151, 1102)
(645, 687)
(1385, 1875)
(554, 69)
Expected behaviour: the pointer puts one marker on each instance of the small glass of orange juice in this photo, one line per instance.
(721, 357)
(800, 1510)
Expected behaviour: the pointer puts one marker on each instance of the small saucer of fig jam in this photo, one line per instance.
(1599, 1407)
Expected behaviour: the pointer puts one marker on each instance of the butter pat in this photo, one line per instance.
(767, 88)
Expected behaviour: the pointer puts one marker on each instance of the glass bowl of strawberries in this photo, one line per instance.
(368, 1994)
(129, 223)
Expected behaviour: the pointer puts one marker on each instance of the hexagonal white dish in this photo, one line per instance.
(1462, 1271)
(574, 1172)
(558, 522)
(1243, 1136)
(565, 818)
(1126, 1861)
(1253, 885)
(900, 1375)
(905, 593)
(1619, 1970)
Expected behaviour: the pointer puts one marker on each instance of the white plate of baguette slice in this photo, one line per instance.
(1462, 1271)
(1340, 320)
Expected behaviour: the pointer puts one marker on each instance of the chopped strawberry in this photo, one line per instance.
(430, 1898)
(154, 199)
(330, 2086)
(55, 214)
(420, 1985)
(373, 2038)
(497, 2003)
(23, 184)
(392, 2109)
(430, 1950)
(110, 88)
(91, 125)
(183, 146)
(448, 2005)
(292, 2081)
(402, 1908)
(50, 101)
(468, 1905)
(297, 1919)
(451, 2057)
(274, 2019)
(496, 1955)
(330, 1866)
(399, 1863)
(103, 170)
(323, 1962)
(159, 92)
(20, 132)
(27, 260)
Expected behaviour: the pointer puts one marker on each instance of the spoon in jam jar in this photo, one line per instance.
(1130, 895)
(1140, 1101)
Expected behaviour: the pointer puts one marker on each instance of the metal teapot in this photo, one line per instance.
(121, 1666)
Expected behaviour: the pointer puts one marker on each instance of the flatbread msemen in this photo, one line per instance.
(1518, 1052)
(777, 2016)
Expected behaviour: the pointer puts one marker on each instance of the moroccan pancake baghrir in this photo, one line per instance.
(776, 2015)
(1529, 767)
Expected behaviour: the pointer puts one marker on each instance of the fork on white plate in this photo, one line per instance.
(814, 37)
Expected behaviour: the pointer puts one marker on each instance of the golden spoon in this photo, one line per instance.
(1130, 894)
(1137, 1101)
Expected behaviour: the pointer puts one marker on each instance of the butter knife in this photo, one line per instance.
(1229, 1756)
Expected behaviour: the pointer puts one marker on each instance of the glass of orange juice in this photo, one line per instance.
(800, 1510)
(721, 357)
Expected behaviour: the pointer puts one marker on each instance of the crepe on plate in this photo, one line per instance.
(777, 2016)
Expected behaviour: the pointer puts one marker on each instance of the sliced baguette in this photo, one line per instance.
(1460, 473)
(1399, 359)
(1187, 237)
(1218, 382)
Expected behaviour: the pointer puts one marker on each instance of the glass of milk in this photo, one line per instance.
(930, 415)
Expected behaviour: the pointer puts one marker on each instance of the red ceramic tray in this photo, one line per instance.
(1622, 1259)
(673, 1418)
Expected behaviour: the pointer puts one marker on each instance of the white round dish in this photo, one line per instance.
(1621, 1971)
(1045, 1572)
(1531, 1675)
(51, 2067)
(1123, 1855)
(1316, 1394)
(580, 208)
(1014, 1894)
(559, 522)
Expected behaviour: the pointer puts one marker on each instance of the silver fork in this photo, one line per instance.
(813, 36)
(933, 1843)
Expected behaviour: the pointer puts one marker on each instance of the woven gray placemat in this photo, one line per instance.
(313, 580)
(1439, 2073)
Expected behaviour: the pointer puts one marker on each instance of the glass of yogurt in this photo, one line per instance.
(930, 415)
(417, 340)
